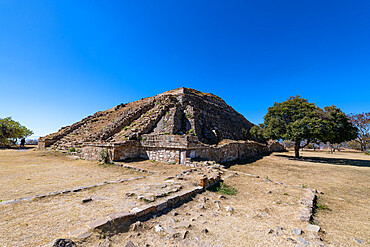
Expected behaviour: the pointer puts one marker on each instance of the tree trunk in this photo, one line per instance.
(296, 148)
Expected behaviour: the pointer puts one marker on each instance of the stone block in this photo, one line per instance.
(121, 218)
(160, 206)
(173, 200)
(313, 228)
(100, 224)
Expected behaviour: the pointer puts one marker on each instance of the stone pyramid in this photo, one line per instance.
(175, 118)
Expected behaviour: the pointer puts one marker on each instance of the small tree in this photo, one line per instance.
(11, 130)
(362, 122)
(337, 127)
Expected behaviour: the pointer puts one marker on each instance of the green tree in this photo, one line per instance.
(303, 123)
(337, 127)
(362, 122)
(11, 130)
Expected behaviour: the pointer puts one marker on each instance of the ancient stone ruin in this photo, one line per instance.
(175, 126)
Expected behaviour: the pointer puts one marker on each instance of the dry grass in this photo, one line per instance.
(26, 173)
(343, 177)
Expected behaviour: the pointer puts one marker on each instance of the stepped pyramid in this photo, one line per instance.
(172, 126)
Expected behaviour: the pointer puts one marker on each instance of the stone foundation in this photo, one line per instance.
(177, 149)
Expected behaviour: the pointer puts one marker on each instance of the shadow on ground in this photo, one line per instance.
(332, 161)
(17, 147)
(241, 162)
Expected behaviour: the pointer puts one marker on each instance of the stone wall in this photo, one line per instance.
(170, 155)
(176, 149)
(230, 151)
(94, 151)
(169, 141)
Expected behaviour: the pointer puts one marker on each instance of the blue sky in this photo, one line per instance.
(61, 61)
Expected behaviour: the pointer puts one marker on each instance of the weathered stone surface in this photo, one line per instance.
(121, 218)
(359, 241)
(99, 224)
(313, 228)
(297, 231)
(130, 244)
(183, 224)
(303, 241)
(64, 243)
(135, 226)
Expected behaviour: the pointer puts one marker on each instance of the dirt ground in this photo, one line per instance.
(28, 172)
(39, 221)
(264, 213)
(344, 177)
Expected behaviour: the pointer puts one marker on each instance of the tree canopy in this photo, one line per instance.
(302, 122)
(11, 130)
(362, 122)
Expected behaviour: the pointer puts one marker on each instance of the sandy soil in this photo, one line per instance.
(26, 173)
(343, 177)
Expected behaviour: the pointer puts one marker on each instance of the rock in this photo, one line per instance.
(313, 228)
(183, 224)
(130, 244)
(170, 230)
(303, 241)
(297, 231)
(104, 243)
(203, 199)
(291, 240)
(185, 234)
(175, 213)
(221, 197)
(229, 209)
(270, 231)
(158, 228)
(205, 230)
(171, 220)
(61, 242)
(200, 206)
(87, 200)
(135, 226)
(359, 241)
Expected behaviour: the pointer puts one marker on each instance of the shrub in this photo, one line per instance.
(225, 189)
(104, 156)
(72, 150)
